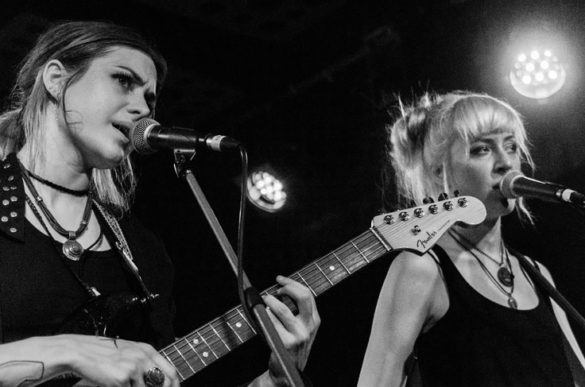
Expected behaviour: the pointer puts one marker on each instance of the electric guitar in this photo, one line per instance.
(416, 229)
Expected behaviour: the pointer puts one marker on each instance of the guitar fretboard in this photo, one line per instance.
(217, 338)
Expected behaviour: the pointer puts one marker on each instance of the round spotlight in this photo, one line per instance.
(538, 74)
(265, 191)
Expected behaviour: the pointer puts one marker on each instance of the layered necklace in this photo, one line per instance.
(505, 275)
(71, 249)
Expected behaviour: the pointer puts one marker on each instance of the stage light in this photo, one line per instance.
(265, 191)
(538, 60)
(537, 72)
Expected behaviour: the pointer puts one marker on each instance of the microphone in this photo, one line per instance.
(148, 136)
(514, 184)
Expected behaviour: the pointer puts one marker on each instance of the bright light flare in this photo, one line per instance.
(537, 74)
(265, 191)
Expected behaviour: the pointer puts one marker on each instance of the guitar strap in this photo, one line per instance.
(121, 244)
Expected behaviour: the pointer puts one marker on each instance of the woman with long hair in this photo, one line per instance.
(66, 236)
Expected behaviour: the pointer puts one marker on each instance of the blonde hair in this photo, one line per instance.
(421, 137)
(75, 45)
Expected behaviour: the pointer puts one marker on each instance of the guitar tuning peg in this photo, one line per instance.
(428, 200)
(443, 196)
(456, 193)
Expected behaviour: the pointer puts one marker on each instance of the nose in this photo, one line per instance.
(138, 107)
(503, 162)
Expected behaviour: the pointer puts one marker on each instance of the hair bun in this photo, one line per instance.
(408, 134)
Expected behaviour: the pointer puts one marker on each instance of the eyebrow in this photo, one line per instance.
(488, 139)
(150, 96)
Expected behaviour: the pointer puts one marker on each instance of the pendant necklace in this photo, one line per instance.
(71, 249)
(505, 274)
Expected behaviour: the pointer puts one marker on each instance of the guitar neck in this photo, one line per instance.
(217, 338)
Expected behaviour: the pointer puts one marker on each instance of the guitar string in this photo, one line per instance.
(310, 272)
(308, 276)
(216, 346)
(318, 273)
(214, 342)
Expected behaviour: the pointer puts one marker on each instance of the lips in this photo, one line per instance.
(123, 127)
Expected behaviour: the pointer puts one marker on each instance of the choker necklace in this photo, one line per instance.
(74, 192)
(505, 274)
(72, 249)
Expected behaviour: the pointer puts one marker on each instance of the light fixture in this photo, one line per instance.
(265, 191)
(537, 73)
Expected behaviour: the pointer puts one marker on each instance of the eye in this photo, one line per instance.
(125, 80)
(512, 147)
(479, 149)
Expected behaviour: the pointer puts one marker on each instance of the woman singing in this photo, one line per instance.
(65, 232)
(467, 309)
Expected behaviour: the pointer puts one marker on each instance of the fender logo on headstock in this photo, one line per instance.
(423, 242)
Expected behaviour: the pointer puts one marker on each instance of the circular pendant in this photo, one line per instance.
(505, 276)
(72, 249)
(512, 303)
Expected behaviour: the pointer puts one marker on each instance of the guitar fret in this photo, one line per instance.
(244, 318)
(235, 331)
(306, 283)
(196, 352)
(381, 240)
(218, 335)
(322, 272)
(339, 260)
(173, 363)
(335, 271)
(183, 357)
(211, 349)
(359, 251)
(315, 278)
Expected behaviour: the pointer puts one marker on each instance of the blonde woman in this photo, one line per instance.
(466, 309)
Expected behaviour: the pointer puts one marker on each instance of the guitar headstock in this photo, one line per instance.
(419, 228)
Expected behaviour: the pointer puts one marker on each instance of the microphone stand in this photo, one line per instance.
(253, 300)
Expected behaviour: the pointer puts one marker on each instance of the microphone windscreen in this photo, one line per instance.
(138, 136)
(507, 182)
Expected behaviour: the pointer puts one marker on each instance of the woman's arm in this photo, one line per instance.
(100, 360)
(407, 301)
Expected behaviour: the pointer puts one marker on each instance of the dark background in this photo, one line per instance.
(307, 85)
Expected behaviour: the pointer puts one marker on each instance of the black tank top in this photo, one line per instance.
(39, 291)
(481, 343)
